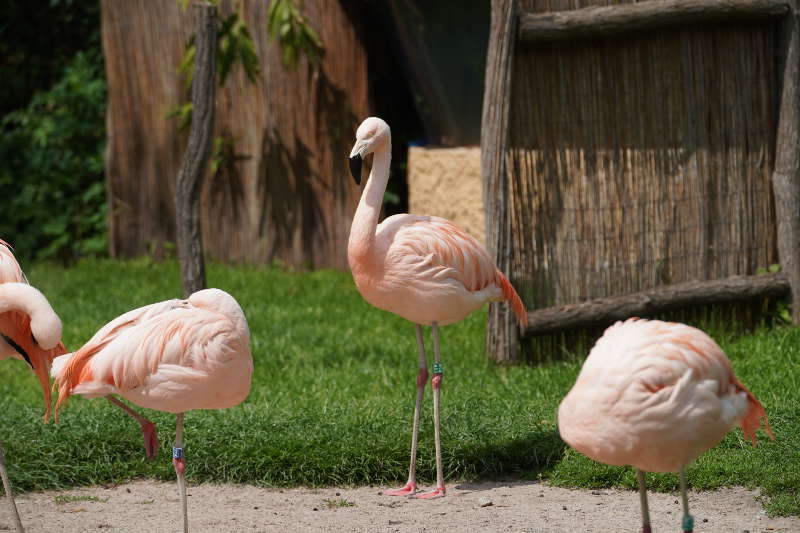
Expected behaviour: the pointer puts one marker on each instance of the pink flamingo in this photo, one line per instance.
(17, 326)
(656, 395)
(422, 268)
(173, 356)
(22, 304)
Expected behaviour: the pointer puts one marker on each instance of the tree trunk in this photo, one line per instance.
(195, 159)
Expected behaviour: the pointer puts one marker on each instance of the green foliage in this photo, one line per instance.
(183, 113)
(772, 269)
(296, 36)
(37, 38)
(333, 396)
(222, 154)
(235, 45)
(52, 194)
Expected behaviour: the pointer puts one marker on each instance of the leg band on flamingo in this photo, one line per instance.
(178, 460)
(438, 368)
(688, 523)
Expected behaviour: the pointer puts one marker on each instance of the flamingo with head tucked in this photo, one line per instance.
(656, 395)
(25, 311)
(17, 327)
(423, 268)
(173, 356)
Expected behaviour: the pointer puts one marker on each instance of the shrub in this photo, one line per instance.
(52, 194)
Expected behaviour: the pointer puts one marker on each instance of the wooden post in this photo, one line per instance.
(502, 336)
(195, 159)
(786, 176)
(622, 19)
(605, 311)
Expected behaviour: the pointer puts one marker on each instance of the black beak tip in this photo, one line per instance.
(355, 168)
(19, 349)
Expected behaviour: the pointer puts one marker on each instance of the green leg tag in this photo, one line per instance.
(688, 523)
(437, 368)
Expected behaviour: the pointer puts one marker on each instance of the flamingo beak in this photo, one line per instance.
(20, 350)
(357, 159)
(355, 168)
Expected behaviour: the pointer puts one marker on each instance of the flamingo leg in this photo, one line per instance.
(148, 428)
(9, 493)
(688, 520)
(643, 501)
(179, 462)
(422, 379)
(436, 384)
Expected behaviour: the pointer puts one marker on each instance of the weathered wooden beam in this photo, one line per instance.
(786, 176)
(502, 335)
(605, 311)
(625, 18)
(193, 168)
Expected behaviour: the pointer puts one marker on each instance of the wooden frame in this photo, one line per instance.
(509, 29)
(625, 18)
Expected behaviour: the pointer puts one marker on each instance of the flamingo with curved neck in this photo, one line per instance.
(423, 268)
(29, 329)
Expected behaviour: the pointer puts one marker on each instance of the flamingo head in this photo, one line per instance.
(46, 329)
(371, 135)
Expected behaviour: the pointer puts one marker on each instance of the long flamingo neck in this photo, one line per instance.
(21, 297)
(365, 221)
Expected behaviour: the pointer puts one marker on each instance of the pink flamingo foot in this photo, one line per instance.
(647, 529)
(150, 439)
(438, 493)
(408, 489)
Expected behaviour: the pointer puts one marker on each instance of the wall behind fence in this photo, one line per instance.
(641, 161)
(285, 192)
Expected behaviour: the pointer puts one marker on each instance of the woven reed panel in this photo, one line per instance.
(641, 161)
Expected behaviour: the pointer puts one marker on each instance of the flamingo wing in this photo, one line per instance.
(431, 252)
(161, 356)
(435, 248)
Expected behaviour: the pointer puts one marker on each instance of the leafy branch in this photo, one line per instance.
(235, 45)
(286, 24)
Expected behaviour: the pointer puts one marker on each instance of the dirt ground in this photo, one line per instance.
(148, 506)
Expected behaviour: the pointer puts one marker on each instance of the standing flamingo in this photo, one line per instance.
(22, 304)
(656, 395)
(423, 268)
(173, 356)
(18, 327)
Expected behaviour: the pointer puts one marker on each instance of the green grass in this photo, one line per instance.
(333, 393)
(61, 499)
(331, 503)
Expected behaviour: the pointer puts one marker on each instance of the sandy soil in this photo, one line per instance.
(514, 506)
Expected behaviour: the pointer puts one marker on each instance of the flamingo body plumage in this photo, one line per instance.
(422, 268)
(173, 356)
(427, 270)
(656, 395)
